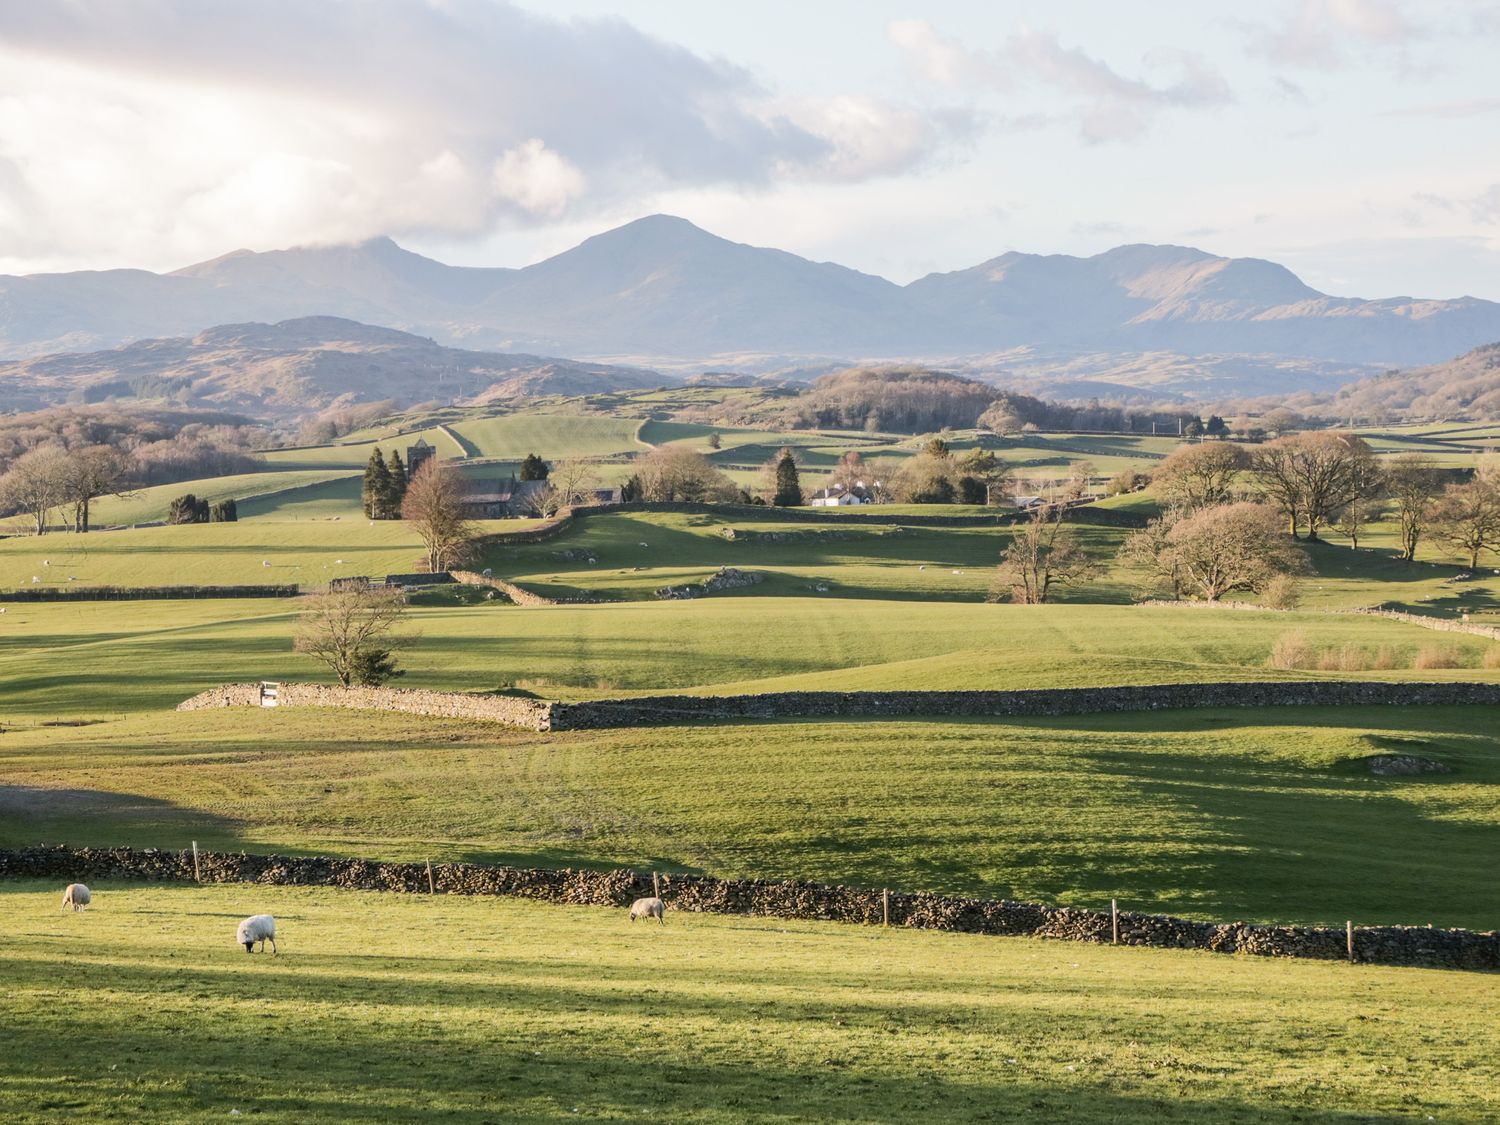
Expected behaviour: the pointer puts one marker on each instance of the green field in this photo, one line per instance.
(1220, 814)
(256, 494)
(395, 1008)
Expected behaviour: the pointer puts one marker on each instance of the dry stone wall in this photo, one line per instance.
(667, 710)
(1385, 945)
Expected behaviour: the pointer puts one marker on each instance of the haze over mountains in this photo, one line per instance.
(660, 291)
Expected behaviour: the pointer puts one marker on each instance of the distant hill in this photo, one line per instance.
(1466, 387)
(661, 291)
(297, 366)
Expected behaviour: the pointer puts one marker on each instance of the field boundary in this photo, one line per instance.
(1377, 945)
(1437, 624)
(142, 593)
(671, 710)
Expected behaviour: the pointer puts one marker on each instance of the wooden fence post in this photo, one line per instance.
(1349, 934)
(656, 884)
(885, 907)
(196, 877)
(431, 886)
(1114, 922)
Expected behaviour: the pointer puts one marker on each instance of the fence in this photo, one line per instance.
(1384, 945)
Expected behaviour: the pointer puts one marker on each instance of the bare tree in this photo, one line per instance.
(94, 471)
(1147, 551)
(1413, 483)
(434, 507)
(37, 483)
(569, 484)
(674, 473)
(351, 631)
(1232, 547)
(1043, 554)
(1200, 476)
(1467, 517)
(1311, 477)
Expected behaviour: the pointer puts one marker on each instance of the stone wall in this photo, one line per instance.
(517, 594)
(72, 593)
(666, 710)
(531, 714)
(1385, 945)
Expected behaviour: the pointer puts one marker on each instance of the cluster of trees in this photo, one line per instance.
(674, 474)
(337, 421)
(52, 477)
(1010, 412)
(910, 400)
(384, 486)
(194, 509)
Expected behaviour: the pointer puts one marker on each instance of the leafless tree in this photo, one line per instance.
(570, 483)
(1310, 477)
(352, 631)
(1200, 476)
(1232, 547)
(674, 473)
(1147, 551)
(1412, 482)
(1467, 517)
(36, 483)
(94, 471)
(1043, 554)
(433, 505)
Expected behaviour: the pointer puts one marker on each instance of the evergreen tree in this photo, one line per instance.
(533, 468)
(788, 486)
(395, 490)
(225, 511)
(376, 485)
(631, 490)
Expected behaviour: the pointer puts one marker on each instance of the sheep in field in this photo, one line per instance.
(257, 928)
(648, 908)
(77, 896)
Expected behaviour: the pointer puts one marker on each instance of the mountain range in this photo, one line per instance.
(297, 367)
(662, 292)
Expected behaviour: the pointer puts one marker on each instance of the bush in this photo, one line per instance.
(1282, 592)
(1491, 657)
(1438, 656)
(1291, 651)
(1386, 659)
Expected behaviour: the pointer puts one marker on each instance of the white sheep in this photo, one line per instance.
(77, 896)
(257, 928)
(649, 908)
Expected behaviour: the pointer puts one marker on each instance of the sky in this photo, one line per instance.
(1352, 140)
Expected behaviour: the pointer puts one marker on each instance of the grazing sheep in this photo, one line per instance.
(649, 908)
(257, 928)
(77, 896)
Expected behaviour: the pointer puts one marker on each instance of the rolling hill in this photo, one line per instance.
(660, 289)
(287, 368)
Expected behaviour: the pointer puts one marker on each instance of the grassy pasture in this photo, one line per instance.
(1252, 814)
(255, 493)
(355, 450)
(512, 436)
(408, 1009)
(106, 658)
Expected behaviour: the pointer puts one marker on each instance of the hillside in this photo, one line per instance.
(662, 290)
(290, 367)
(1466, 387)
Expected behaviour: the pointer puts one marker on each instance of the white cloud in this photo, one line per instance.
(159, 131)
(1105, 104)
(1316, 34)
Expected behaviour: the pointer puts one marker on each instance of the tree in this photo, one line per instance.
(1216, 427)
(36, 483)
(1147, 551)
(1043, 554)
(673, 473)
(376, 486)
(1358, 512)
(1231, 547)
(94, 471)
(225, 511)
(923, 479)
(1282, 421)
(188, 508)
(1311, 477)
(986, 475)
(1001, 418)
(1467, 517)
(351, 631)
(395, 489)
(1200, 476)
(434, 507)
(1412, 481)
(571, 483)
(1193, 427)
(714, 440)
(935, 447)
(632, 490)
(1079, 480)
(788, 492)
(532, 468)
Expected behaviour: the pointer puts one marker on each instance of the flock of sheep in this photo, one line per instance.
(261, 928)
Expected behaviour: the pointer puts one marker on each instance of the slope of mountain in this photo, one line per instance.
(302, 365)
(662, 290)
(1466, 387)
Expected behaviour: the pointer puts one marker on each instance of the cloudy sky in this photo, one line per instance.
(1351, 139)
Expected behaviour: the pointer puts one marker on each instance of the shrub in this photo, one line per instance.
(1291, 651)
(1438, 656)
(1491, 657)
(1282, 592)
(1386, 659)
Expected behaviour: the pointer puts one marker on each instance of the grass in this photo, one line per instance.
(409, 1009)
(1264, 814)
(511, 437)
(255, 493)
(106, 658)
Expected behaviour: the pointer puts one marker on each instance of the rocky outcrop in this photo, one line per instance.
(1385, 945)
(1403, 765)
(725, 578)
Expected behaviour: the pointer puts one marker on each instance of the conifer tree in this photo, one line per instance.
(395, 490)
(376, 485)
(788, 486)
(533, 468)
